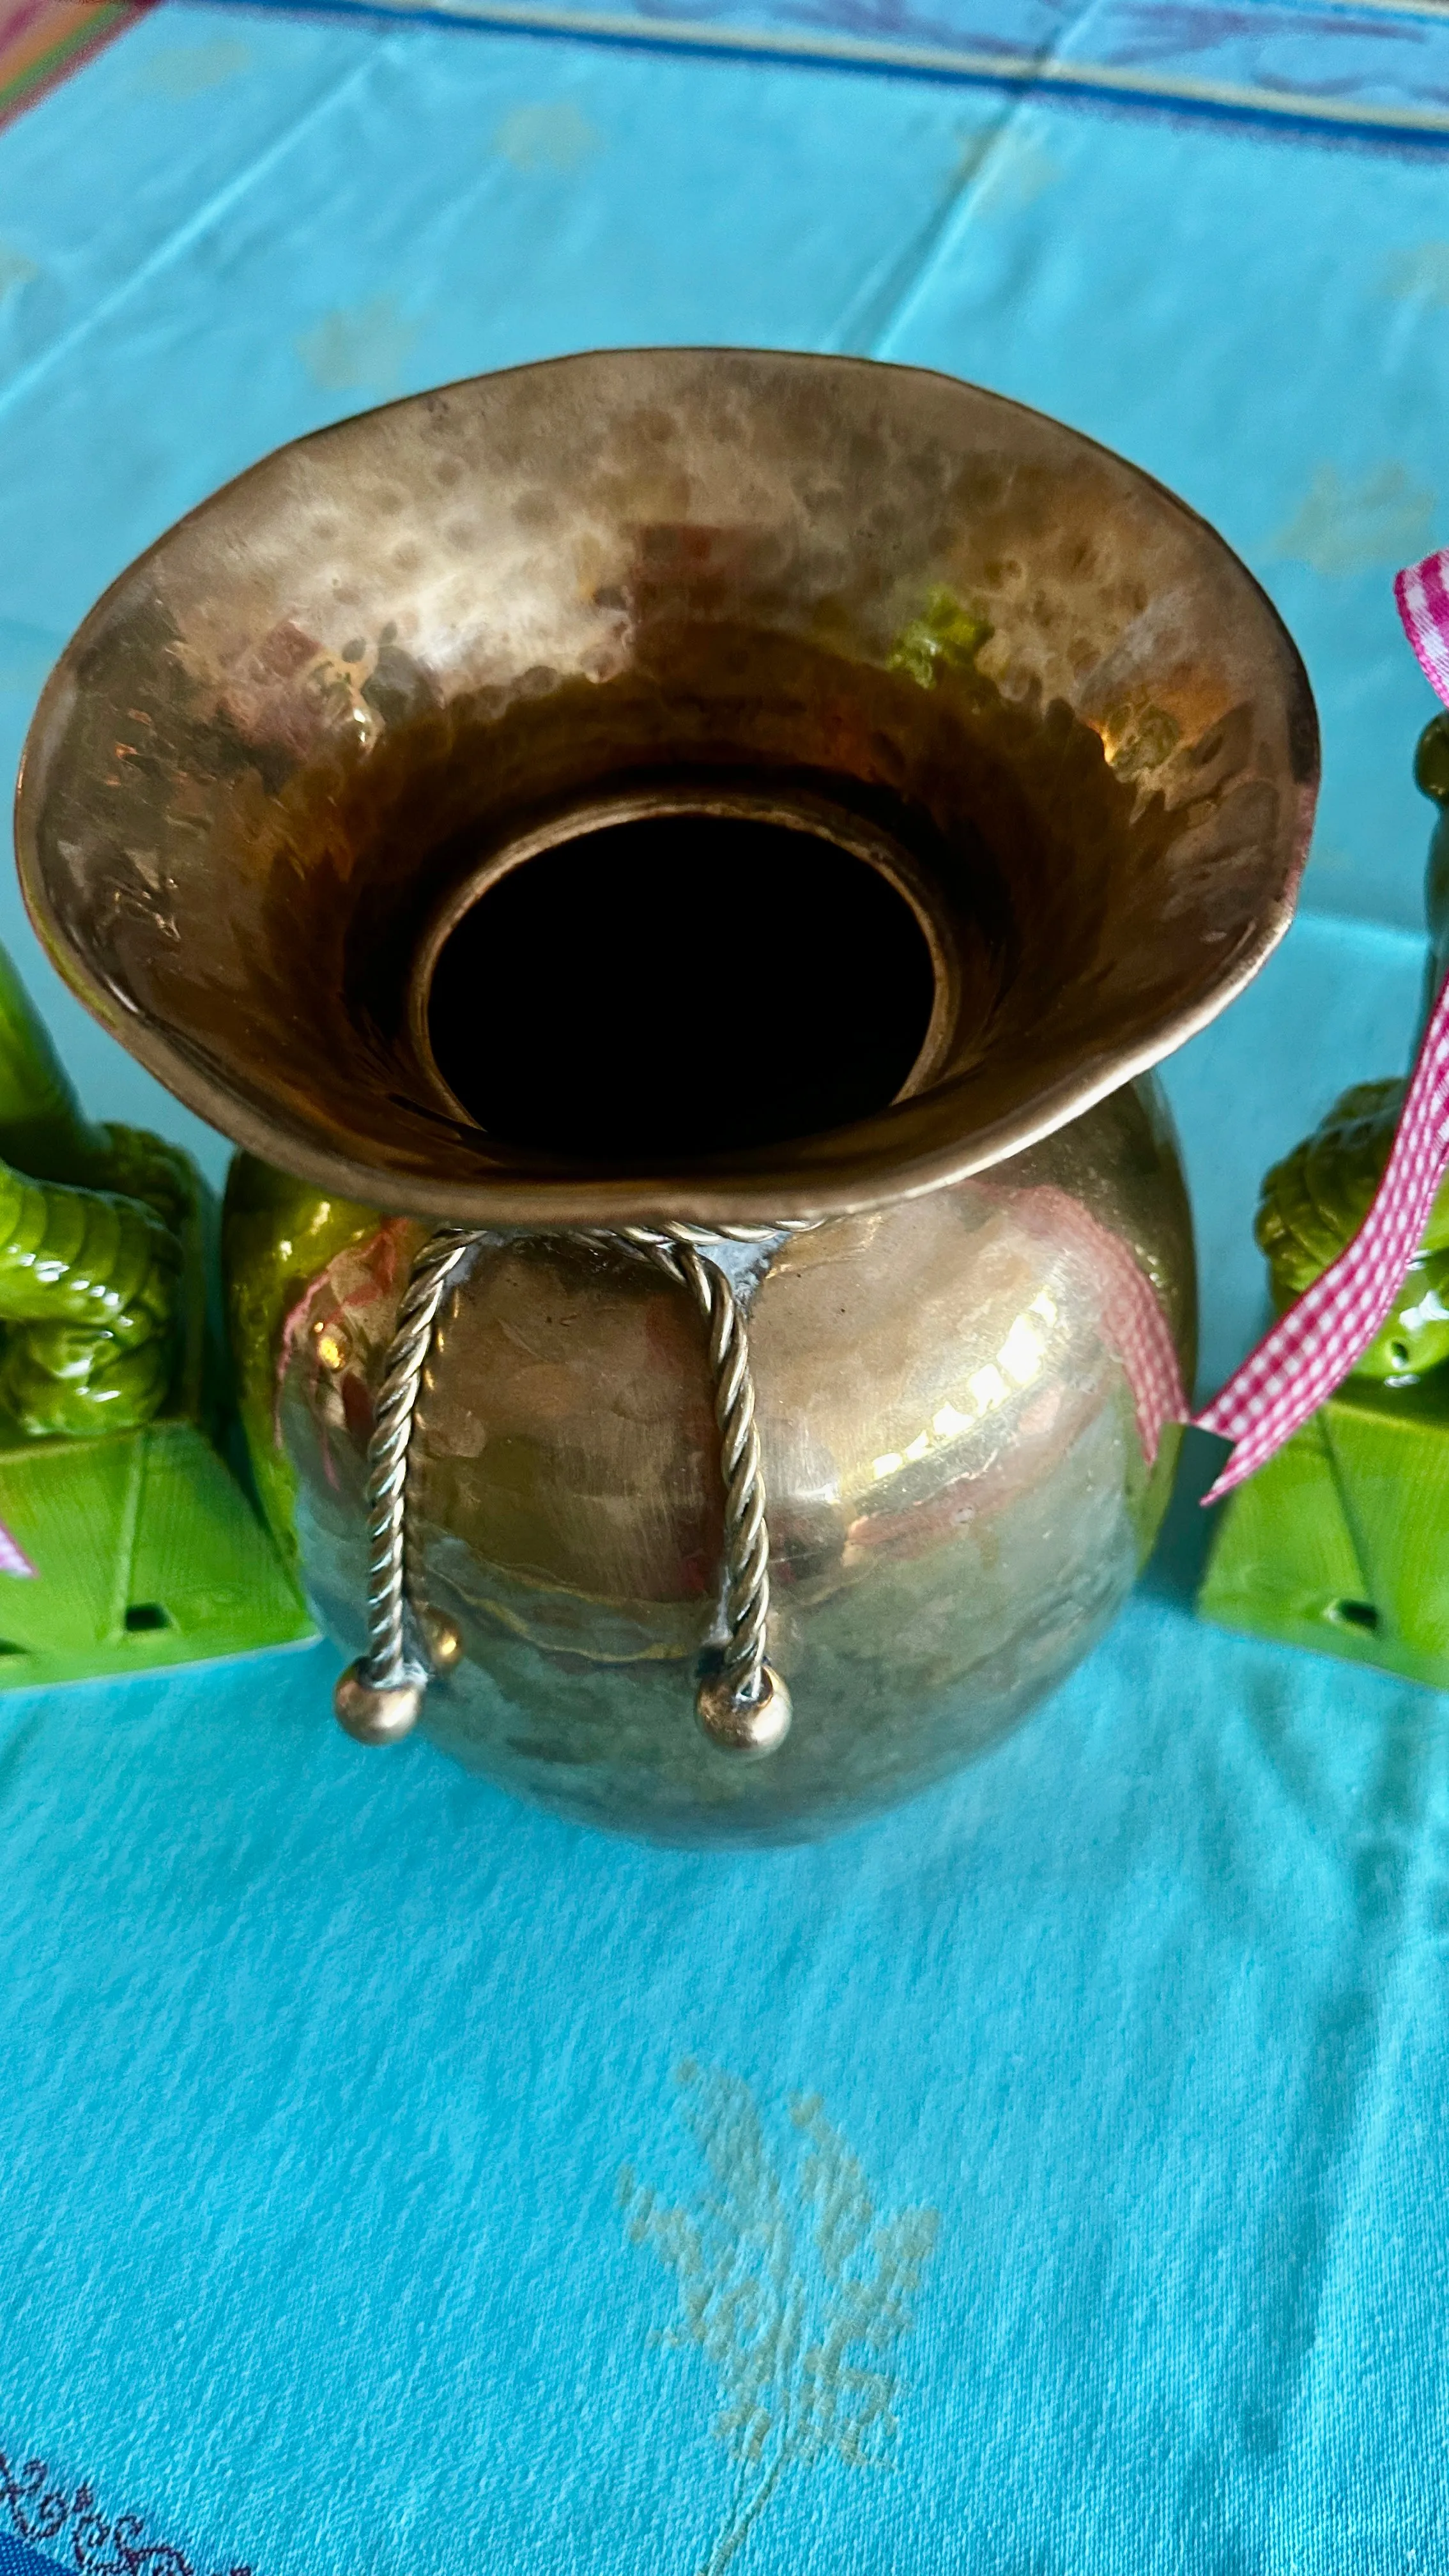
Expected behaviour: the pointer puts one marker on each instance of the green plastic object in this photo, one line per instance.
(1341, 1542)
(146, 1552)
(133, 1543)
(1317, 1198)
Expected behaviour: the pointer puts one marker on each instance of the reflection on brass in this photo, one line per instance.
(318, 730)
(441, 1641)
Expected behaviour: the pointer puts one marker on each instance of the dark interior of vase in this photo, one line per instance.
(680, 983)
(689, 985)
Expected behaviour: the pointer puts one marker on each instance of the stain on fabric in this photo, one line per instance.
(360, 346)
(1419, 276)
(551, 135)
(186, 71)
(15, 270)
(1006, 172)
(1344, 527)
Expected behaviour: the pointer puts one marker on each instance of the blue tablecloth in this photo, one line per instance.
(373, 2147)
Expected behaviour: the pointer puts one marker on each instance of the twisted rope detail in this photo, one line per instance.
(681, 1251)
(386, 1665)
(746, 1538)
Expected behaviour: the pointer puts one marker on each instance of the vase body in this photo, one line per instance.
(955, 1438)
(718, 797)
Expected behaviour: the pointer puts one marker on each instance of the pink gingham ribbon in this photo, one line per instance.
(1133, 1323)
(1312, 1348)
(1423, 596)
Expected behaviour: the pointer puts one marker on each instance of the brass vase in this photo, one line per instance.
(675, 866)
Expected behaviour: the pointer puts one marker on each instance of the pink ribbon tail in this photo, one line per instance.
(1314, 1347)
(1422, 593)
(13, 1559)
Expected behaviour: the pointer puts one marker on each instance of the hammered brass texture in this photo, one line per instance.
(1002, 668)
(958, 1495)
(243, 792)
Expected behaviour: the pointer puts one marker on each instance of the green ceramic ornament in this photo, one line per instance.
(1341, 1541)
(127, 1539)
(1314, 1202)
(91, 1232)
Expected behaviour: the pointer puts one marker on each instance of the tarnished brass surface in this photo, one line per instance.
(311, 729)
(241, 792)
(958, 1500)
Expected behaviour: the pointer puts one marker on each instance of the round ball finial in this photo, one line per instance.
(747, 1728)
(440, 1638)
(376, 1716)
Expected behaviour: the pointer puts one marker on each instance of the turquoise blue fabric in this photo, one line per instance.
(345, 2103)
(1324, 63)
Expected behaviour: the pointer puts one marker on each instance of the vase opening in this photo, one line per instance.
(706, 785)
(602, 998)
